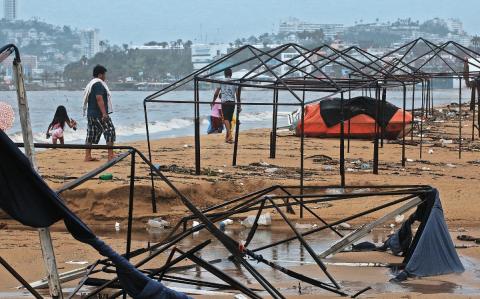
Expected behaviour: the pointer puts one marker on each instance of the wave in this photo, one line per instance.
(124, 131)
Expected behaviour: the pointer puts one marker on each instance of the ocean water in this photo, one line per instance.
(165, 119)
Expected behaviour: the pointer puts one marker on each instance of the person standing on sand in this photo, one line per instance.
(473, 84)
(229, 93)
(98, 105)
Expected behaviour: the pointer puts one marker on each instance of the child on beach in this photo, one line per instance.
(56, 127)
(216, 118)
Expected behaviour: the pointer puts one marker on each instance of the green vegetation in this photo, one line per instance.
(135, 64)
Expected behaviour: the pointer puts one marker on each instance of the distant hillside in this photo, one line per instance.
(55, 46)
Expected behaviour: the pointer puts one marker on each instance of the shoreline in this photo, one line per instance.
(102, 203)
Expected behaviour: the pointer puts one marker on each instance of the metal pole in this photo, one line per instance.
(130, 206)
(473, 108)
(197, 128)
(413, 110)
(460, 119)
(20, 279)
(376, 124)
(302, 153)
(342, 142)
(422, 109)
(237, 132)
(152, 181)
(273, 134)
(44, 233)
(404, 123)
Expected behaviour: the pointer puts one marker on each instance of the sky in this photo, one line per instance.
(137, 22)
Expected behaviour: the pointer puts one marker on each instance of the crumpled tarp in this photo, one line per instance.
(431, 252)
(435, 253)
(331, 110)
(25, 197)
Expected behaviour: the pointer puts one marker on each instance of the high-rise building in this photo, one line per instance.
(90, 42)
(10, 8)
(293, 25)
(455, 25)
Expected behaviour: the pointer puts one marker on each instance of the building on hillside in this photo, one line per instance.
(203, 54)
(29, 63)
(10, 9)
(90, 42)
(293, 25)
(455, 26)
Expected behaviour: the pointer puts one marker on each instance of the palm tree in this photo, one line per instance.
(475, 41)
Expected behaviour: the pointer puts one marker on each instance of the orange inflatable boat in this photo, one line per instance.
(323, 119)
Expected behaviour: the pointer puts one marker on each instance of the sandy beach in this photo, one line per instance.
(102, 203)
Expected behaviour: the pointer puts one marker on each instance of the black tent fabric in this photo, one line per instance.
(330, 110)
(432, 251)
(25, 197)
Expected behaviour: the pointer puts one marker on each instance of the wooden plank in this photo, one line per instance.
(44, 233)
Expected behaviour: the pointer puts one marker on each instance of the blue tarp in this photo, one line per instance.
(435, 252)
(27, 198)
(432, 251)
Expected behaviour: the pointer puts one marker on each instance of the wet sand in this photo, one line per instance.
(102, 203)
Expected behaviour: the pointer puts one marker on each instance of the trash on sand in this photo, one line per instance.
(106, 176)
(444, 142)
(451, 165)
(410, 160)
(117, 226)
(157, 223)
(399, 218)
(425, 168)
(351, 170)
(76, 262)
(430, 151)
(345, 225)
(264, 219)
(224, 223)
(334, 191)
(195, 223)
(271, 170)
(328, 167)
(264, 164)
(365, 166)
(305, 226)
(186, 145)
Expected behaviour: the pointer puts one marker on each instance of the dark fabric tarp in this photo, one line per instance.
(27, 198)
(330, 110)
(431, 252)
(435, 252)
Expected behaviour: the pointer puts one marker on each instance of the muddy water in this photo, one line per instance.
(294, 256)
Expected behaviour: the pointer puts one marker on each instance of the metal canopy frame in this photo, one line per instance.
(275, 197)
(304, 73)
(423, 65)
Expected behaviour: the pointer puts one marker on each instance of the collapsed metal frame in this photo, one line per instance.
(433, 51)
(258, 201)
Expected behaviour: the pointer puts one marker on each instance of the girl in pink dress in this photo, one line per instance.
(56, 127)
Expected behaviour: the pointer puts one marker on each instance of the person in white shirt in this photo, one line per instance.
(230, 94)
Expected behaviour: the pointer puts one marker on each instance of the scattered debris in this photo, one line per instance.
(263, 220)
(399, 218)
(271, 170)
(74, 262)
(334, 191)
(157, 223)
(117, 226)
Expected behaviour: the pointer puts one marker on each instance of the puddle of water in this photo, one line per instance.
(293, 255)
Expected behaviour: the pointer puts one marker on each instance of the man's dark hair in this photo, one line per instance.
(227, 72)
(99, 69)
